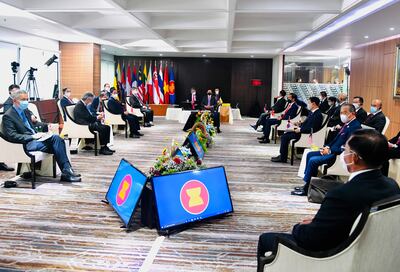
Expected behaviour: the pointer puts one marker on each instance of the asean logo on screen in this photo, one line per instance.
(194, 197)
(124, 190)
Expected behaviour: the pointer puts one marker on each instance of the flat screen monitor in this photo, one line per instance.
(191, 196)
(196, 147)
(125, 191)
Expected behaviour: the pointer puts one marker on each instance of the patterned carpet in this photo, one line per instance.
(65, 227)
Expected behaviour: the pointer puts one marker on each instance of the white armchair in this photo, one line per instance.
(370, 246)
(336, 169)
(283, 125)
(17, 153)
(134, 111)
(386, 125)
(77, 131)
(317, 139)
(114, 119)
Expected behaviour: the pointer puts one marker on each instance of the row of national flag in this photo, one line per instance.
(156, 85)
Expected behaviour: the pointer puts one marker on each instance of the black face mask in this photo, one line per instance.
(209, 94)
(289, 101)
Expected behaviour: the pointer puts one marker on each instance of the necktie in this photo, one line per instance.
(287, 109)
(26, 123)
(208, 103)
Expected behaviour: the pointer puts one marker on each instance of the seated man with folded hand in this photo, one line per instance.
(83, 116)
(116, 107)
(312, 123)
(136, 102)
(327, 155)
(17, 127)
(376, 119)
(363, 155)
(289, 113)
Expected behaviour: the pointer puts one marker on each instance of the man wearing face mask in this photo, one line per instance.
(116, 107)
(332, 106)
(289, 113)
(66, 100)
(361, 114)
(216, 115)
(364, 153)
(324, 106)
(17, 127)
(312, 123)
(327, 155)
(136, 102)
(83, 116)
(208, 102)
(107, 90)
(376, 119)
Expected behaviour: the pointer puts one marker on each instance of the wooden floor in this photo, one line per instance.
(65, 227)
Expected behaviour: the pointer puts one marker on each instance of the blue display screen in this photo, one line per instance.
(191, 196)
(125, 190)
(196, 145)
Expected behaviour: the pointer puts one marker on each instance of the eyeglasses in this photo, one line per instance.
(343, 148)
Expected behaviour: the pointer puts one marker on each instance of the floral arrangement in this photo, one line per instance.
(174, 159)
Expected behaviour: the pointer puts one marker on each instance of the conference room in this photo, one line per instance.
(214, 135)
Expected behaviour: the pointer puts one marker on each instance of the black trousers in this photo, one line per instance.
(267, 242)
(103, 130)
(285, 141)
(394, 153)
(261, 120)
(148, 115)
(216, 118)
(133, 122)
(268, 123)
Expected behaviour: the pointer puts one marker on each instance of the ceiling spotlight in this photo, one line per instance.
(251, 56)
(204, 55)
(160, 55)
(366, 37)
(391, 29)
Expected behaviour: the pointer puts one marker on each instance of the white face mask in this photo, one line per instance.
(68, 94)
(343, 162)
(115, 96)
(356, 105)
(344, 118)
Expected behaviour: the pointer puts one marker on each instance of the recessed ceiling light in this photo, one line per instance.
(366, 37)
(251, 56)
(391, 29)
(204, 55)
(160, 55)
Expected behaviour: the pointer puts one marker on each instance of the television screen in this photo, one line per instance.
(191, 196)
(196, 146)
(125, 190)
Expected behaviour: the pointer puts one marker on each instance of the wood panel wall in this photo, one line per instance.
(80, 67)
(231, 76)
(372, 76)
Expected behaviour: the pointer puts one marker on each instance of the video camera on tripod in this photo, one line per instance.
(31, 85)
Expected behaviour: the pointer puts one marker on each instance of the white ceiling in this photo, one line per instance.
(234, 28)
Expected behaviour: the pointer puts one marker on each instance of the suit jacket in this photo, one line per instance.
(94, 107)
(14, 129)
(291, 113)
(135, 102)
(395, 138)
(340, 208)
(343, 136)
(115, 106)
(204, 101)
(313, 122)
(376, 121)
(361, 115)
(82, 115)
(7, 104)
(331, 110)
(279, 105)
(335, 118)
(64, 102)
(324, 106)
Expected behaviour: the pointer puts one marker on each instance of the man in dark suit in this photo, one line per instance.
(136, 102)
(6, 106)
(364, 153)
(17, 127)
(376, 119)
(312, 123)
(116, 107)
(83, 116)
(289, 113)
(66, 101)
(97, 105)
(361, 114)
(328, 154)
(210, 103)
(332, 106)
(193, 99)
(278, 107)
(334, 122)
(393, 153)
(323, 106)
(107, 90)
(216, 114)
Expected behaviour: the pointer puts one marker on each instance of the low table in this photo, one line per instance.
(159, 109)
(173, 114)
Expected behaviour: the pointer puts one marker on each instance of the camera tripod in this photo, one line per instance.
(31, 86)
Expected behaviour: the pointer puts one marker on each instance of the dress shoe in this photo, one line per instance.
(105, 151)
(299, 193)
(299, 188)
(134, 136)
(71, 172)
(87, 147)
(261, 138)
(278, 159)
(4, 167)
(218, 130)
(264, 141)
(147, 125)
(139, 134)
(26, 175)
(113, 151)
(69, 178)
(254, 127)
